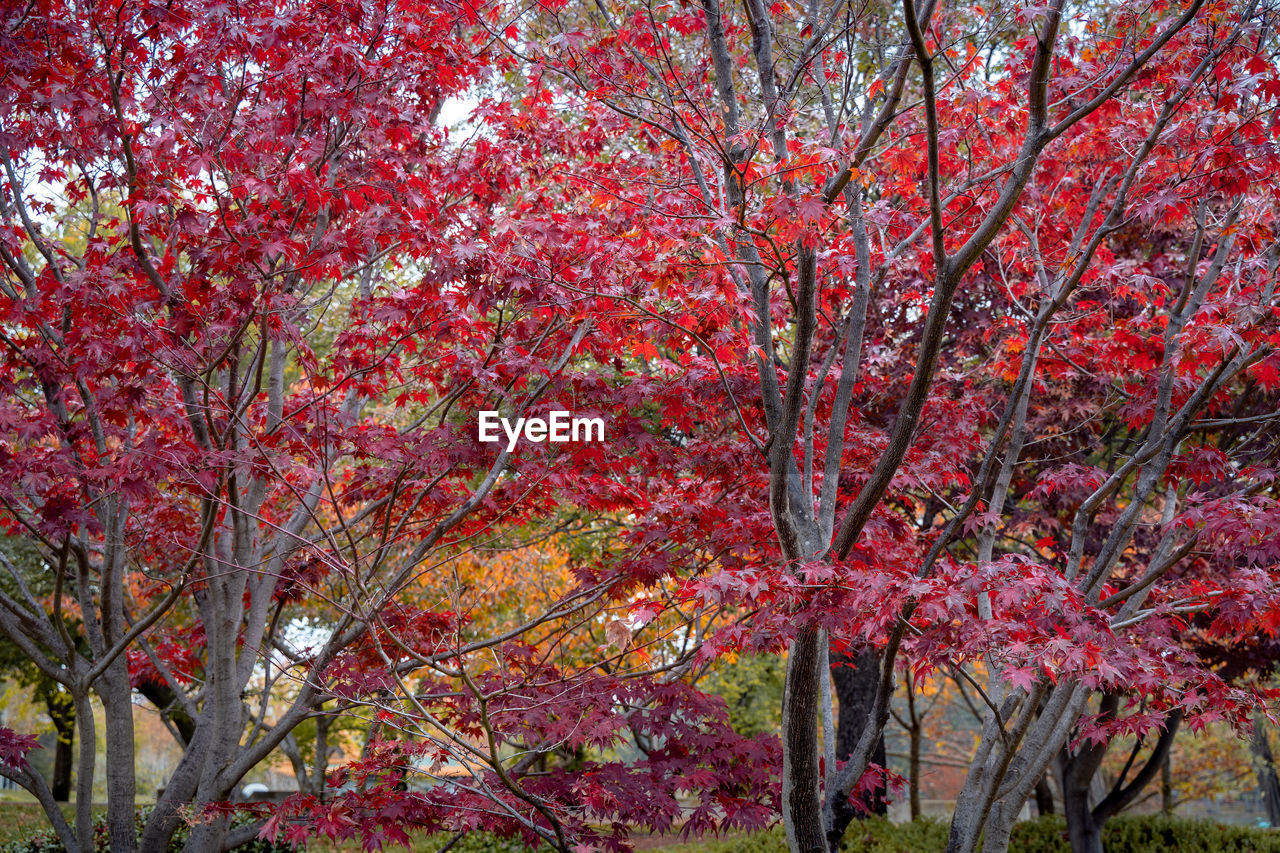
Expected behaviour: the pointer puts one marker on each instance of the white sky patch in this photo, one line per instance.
(456, 112)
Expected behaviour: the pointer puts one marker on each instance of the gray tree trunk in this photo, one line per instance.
(999, 780)
(178, 791)
(1264, 764)
(117, 702)
(86, 763)
(800, 795)
(221, 613)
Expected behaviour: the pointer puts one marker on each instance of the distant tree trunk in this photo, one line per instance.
(63, 714)
(289, 746)
(1044, 796)
(311, 779)
(1166, 785)
(320, 767)
(1264, 764)
(1085, 820)
(1084, 831)
(914, 726)
(855, 681)
(61, 709)
(913, 769)
(166, 701)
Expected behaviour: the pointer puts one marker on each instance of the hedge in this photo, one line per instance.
(1125, 834)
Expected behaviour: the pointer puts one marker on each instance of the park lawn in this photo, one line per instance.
(20, 821)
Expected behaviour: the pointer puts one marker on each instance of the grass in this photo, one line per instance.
(20, 821)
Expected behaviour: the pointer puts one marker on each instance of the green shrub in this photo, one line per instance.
(1127, 834)
(1046, 834)
(768, 841)
(1157, 833)
(1148, 834)
(878, 835)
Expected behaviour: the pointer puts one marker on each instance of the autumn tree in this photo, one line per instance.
(254, 294)
(920, 214)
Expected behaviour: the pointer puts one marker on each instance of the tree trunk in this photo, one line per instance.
(220, 610)
(966, 824)
(321, 766)
(178, 791)
(1166, 785)
(801, 804)
(86, 763)
(289, 746)
(915, 731)
(1044, 796)
(62, 713)
(117, 704)
(999, 826)
(60, 784)
(999, 783)
(1085, 819)
(1079, 767)
(1083, 830)
(1264, 764)
(856, 680)
(913, 770)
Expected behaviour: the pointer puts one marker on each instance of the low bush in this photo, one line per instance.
(1148, 834)
(1125, 834)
